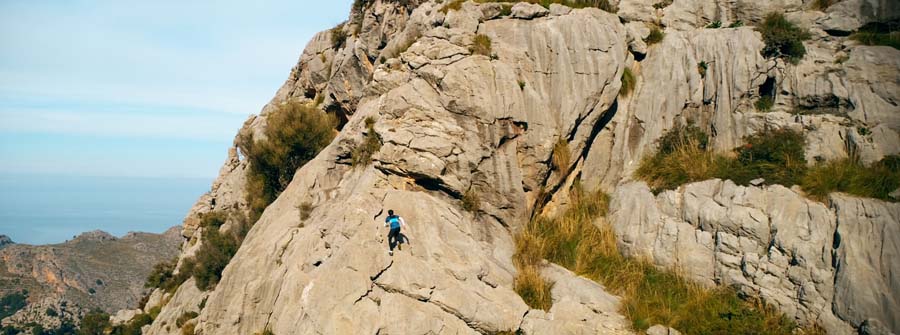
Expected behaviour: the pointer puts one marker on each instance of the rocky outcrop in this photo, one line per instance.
(5, 241)
(774, 243)
(454, 122)
(94, 270)
(580, 306)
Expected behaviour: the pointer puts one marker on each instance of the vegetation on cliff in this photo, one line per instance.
(581, 240)
(215, 252)
(362, 153)
(783, 38)
(879, 33)
(12, 303)
(777, 156)
(295, 133)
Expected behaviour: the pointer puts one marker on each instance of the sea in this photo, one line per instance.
(49, 209)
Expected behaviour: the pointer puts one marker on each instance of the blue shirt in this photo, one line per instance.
(394, 220)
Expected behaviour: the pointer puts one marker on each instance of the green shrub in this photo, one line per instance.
(362, 154)
(338, 37)
(764, 104)
(783, 38)
(702, 67)
(682, 157)
(295, 134)
(678, 137)
(94, 323)
(736, 24)
(161, 276)
(481, 45)
(51, 312)
(656, 36)
(851, 176)
(12, 303)
(133, 327)
(628, 82)
(214, 219)
(521, 85)
(778, 156)
(215, 253)
(714, 25)
(506, 10)
(891, 39)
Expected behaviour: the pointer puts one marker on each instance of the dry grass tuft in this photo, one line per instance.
(561, 156)
(470, 201)
(481, 45)
(628, 83)
(533, 288)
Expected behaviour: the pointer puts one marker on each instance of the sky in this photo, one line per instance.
(142, 88)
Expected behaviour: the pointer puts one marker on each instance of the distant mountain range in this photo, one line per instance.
(95, 270)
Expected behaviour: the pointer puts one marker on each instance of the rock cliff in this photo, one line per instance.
(456, 117)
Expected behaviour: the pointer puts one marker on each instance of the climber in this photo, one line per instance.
(394, 236)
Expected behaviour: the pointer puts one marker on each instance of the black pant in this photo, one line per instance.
(394, 237)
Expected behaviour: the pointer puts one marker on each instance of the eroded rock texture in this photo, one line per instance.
(453, 122)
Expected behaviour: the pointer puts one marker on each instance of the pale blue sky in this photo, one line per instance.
(142, 88)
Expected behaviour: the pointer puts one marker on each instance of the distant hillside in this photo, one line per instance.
(5, 241)
(92, 271)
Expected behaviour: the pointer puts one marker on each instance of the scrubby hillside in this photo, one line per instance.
(56, 284)
(497, 129)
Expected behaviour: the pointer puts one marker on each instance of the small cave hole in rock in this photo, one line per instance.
(340, 114)
(767, 89)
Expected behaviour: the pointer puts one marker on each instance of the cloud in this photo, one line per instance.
(149, 70)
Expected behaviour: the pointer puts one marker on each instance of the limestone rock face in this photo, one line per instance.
(771, 241)
(849, 15)
(187, 298)
(451, 122)
(454, 122)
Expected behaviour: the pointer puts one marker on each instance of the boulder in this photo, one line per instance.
(662, 330)
(124, 316)
(528, 11)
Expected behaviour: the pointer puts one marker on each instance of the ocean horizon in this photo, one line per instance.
(50, 209)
